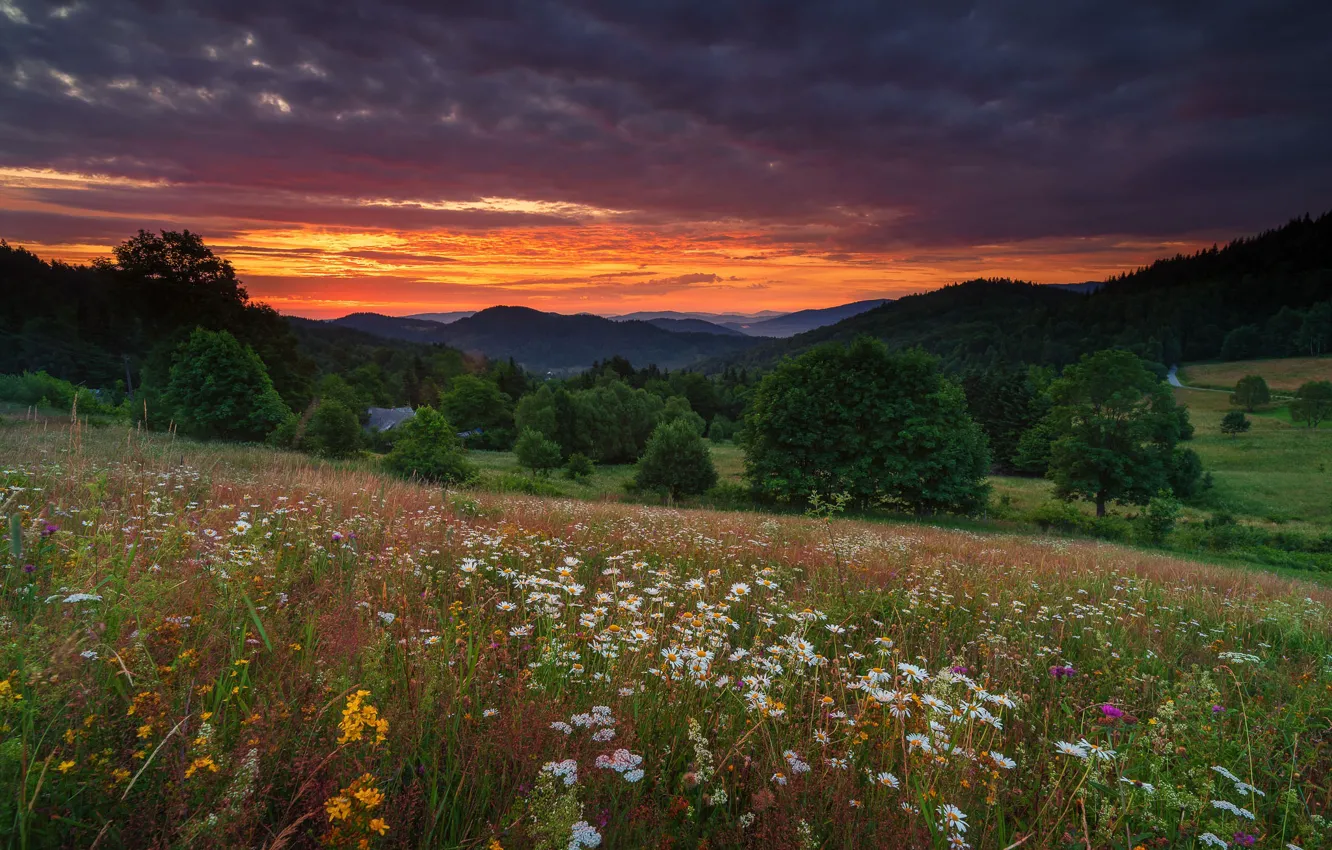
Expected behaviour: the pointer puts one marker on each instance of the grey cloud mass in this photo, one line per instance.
(860, 124)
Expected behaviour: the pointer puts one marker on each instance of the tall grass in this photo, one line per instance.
(220, 646)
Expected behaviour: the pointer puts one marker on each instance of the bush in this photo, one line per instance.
(333, 431)
(579, 467)
(428, 448)
(536, 452)
(220, 389)
(721, 430)
(1235, 422)
(42, 390)
(1251, 392)
(729, 494)
(510, 482)
(1159, 517)
(474, 403)
(676, 460)
(677, 408)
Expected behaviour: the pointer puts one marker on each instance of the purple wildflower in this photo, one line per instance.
(959, 670)
(1062, 672)
(29, 568)
(49, 529)
(1244, 839)
(1217, 709)
(1111, 712)
(337, 536)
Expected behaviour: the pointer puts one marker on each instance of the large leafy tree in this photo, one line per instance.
(219, 389)
(676, 460)
(1312, 403)
(176, 283)
(1115, 429)
(473, 403)
(1250, 393)
(883, 427)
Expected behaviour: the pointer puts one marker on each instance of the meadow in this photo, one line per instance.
(1283, 374)
(214, 646)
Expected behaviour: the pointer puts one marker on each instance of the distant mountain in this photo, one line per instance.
(807, 320)
(443, 318)
(715, 318)
(550, 342)
(394, 327)
(694, 326)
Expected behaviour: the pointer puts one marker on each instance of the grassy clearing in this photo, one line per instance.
(500, 471)
(1282, 374)
(221, 646)
(1277, 473)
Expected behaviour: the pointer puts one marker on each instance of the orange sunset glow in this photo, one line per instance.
(602, 261)
(612, 158)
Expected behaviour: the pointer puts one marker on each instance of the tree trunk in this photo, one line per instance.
(1100, 505)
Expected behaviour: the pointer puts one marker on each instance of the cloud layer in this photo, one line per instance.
(812, 149)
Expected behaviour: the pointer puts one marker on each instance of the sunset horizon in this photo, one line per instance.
(585, 157)
(330, 272)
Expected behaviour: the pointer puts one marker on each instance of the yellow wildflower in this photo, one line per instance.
(64, 766)
(338, 808)
(201, 763)
(370, 797)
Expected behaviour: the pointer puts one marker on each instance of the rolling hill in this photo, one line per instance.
(550, 342)
(694, 326)
(1179, 309)
(807, 320)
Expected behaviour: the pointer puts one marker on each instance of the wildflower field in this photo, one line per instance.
(210, 646)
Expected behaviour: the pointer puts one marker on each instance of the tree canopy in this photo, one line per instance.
(427, 447)
(1312, 403)
(1251, 392)
(676, 460)
(883, 427)
(1115, 429)
(219, 389)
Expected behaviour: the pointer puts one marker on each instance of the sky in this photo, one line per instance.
(608, 156)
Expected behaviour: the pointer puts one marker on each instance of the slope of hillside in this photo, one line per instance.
(959, 323)
(389, 667)
(550, 342)
(693, 326)
(1175, 310)
(443, 318)
(807, 320)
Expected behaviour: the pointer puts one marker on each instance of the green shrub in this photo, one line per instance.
(1159, 517)
(580, 467)
(729, 494)
(537, 453)
(427, 447)
(220, 389)
(510, 482)
(1235, 422)
(43, 390)
(676, 460)
(333, 431)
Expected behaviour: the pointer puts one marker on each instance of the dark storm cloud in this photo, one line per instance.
(846, 125)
